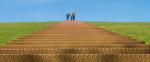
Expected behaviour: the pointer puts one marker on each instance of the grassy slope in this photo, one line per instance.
(140, 31)
(10, 31)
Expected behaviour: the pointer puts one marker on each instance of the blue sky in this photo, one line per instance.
(87, 10)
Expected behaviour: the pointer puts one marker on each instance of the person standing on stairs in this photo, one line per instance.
(67, 16)
(73, 15)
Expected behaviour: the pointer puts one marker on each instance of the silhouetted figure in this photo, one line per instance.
(73, 15)
(67, 15)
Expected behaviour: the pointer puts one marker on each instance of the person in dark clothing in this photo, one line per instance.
(72, 15)
(67, 15)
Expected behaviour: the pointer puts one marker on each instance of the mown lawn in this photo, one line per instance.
(10, 31)
(135, 30)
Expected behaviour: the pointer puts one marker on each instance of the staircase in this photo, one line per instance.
(74, 41)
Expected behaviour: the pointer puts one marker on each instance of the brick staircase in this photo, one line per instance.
(74, 41)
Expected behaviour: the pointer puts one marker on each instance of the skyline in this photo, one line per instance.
(87, 10)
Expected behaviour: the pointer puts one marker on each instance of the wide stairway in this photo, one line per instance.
(74, 41)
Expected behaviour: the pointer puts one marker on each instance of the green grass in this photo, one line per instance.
(135, 30)
(10, 31)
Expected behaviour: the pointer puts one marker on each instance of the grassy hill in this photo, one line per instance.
(140, 31)
(10, 31)
(135, 30)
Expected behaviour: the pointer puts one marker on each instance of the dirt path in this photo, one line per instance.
(74, 41)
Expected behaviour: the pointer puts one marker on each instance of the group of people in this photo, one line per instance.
(71, 16)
